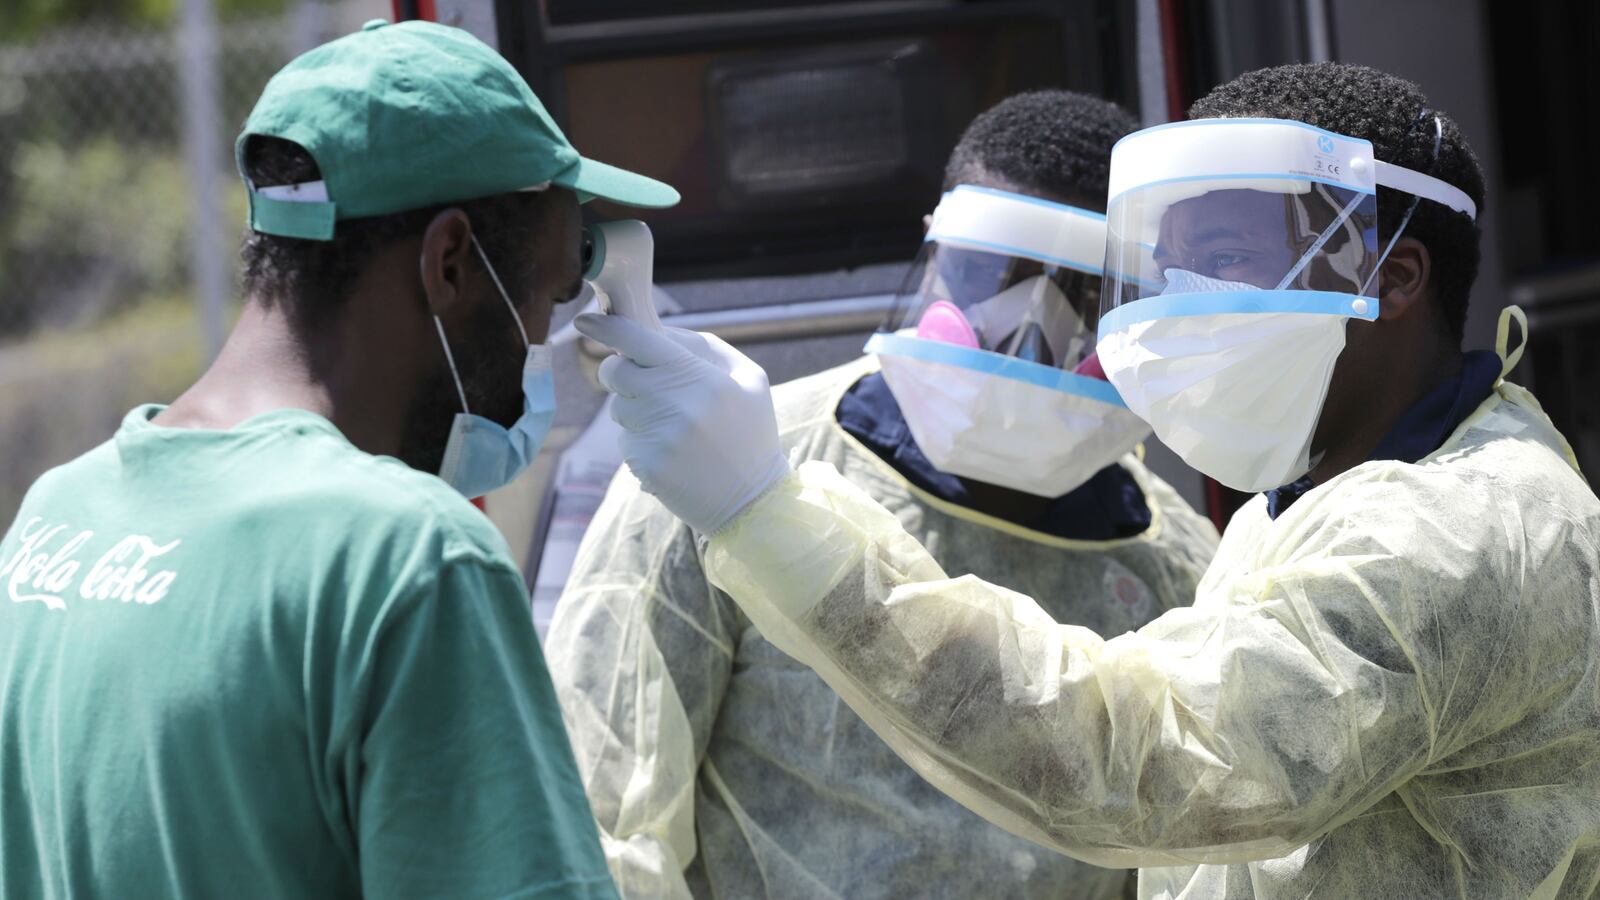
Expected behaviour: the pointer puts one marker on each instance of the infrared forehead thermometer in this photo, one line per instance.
(619, 261)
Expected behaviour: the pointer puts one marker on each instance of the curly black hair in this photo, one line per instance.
(1056, 142)
(1389, 112)
(309, 278)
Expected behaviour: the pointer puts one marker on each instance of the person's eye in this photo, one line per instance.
(1222, 259)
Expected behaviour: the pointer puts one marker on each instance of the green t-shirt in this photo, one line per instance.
(261, 663)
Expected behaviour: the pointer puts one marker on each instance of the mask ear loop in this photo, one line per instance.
(445, 342)
(1438, 139)
(521, 329)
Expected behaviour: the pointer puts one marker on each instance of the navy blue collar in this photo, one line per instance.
(1109, 505)
(1424, 427)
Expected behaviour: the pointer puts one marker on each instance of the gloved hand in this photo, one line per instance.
(699, 430)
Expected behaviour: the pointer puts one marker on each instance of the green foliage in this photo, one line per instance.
(95, 228)
(104, 199)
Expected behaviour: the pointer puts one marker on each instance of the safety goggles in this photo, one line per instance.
(1248, 215)
(1005, 283)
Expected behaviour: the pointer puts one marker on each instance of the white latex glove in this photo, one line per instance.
(699, 430)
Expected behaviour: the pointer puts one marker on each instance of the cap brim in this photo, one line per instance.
(596, 179)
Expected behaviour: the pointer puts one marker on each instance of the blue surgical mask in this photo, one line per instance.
(482, 455)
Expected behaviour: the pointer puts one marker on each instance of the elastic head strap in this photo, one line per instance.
(1423, 184)
(1502, 338)
(1419, 186)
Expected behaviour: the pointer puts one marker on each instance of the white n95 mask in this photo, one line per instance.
(481, 454)
(1236, 253)
(986, 349)
(1043, 437)
(1236, 395)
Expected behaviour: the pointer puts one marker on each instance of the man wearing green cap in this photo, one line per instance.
(259, 643)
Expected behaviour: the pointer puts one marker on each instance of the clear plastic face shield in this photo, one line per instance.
(1005, 274)
(1253, 209)
(1236, 252)
(989, 346)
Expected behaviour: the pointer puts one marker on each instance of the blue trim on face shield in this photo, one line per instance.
(1209, 303)
(995, 364)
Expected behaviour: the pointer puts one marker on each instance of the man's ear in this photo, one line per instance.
(927, 222)
(1404, 279)
(446, 248)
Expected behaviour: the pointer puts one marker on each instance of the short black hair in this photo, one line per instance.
(1053, 141)
(309, 278)
(1388, 111)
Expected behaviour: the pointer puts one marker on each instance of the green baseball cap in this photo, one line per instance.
(408, 116)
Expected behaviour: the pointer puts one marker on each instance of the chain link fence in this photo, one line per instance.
(99, 306)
